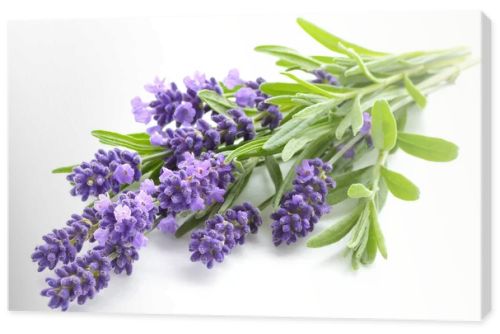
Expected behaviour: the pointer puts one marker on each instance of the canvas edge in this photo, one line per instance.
(486, 161)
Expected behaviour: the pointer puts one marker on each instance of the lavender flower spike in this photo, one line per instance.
(222, 233)
(80, 280)
(303, 206)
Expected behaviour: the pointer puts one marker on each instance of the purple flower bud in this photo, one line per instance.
(245, 97)
(233, 79)
(124, 174)
(168, 225)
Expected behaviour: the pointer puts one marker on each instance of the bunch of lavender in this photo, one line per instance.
(204, 143)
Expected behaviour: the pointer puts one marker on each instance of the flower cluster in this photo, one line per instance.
(196, 183)
(108, 171)
(170, 104)
(249, 95)
(303, 206)
(222, 233)
(79, 280)
(122, 226)
(62, 245)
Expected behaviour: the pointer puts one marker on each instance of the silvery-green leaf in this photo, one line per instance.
(399, 185)
(356, 115)
(293, 146)
(216, 102)
(336, 232)
(274, 171)
(384, 127)
(415, 93)
(375, 229)
(358, 190)
(290, 56)
(331, 41)
(428, 148)
(310, 86)
(63, 170)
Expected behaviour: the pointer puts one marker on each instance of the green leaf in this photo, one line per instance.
(331, 41)
(253, 146)
(274, 171)
(360, 229)
(399, 185)
(142, 146)
(415, 93)
(371, 247)
(344, 181)
(282, 88)
(63, 170)
(290, 56)
(355, 56)
(376, 231)
(334, 233)
(310, 86)
(217, 102)
(358, 190)
(296, 125)
(293, 146)
(427, 148)
(356, 115)
(384, 127)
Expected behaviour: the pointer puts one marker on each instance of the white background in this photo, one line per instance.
(242, 256)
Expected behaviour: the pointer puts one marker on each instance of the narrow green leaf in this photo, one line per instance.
(63, 170)
(360, 229)
(282, 88)
(377, 232)
(331, 41)
(399, 185)
(358, 190)
(336, 232)
(302, 120)
(415, 93)
(290, 56)
(427, 148)
(356, 115)
(371, 247)
(252, 146)
(384, 127)
(274, 171)
(293, 146)
(236, 189)
(355, 56)
(216, 101)
(310, 86)
(142, 146)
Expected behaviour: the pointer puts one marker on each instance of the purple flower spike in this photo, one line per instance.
(79, 280)
(106, 172)
(303, 206)
(198, 182)
(63, 245)
(222, 233)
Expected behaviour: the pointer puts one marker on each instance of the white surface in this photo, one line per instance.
(67, 78)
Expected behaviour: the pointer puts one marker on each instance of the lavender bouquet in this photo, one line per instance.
(338, 119)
